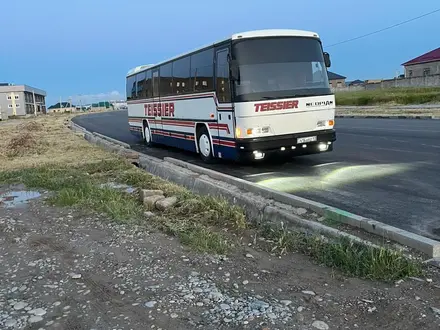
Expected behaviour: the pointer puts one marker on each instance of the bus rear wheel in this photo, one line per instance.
(147, 135)
(204, 144)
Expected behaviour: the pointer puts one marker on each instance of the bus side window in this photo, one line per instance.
(131, 88)
(222, 77)
(140, 78)
(181, 76)
(166, 79)
(202, 71)
(148, 85)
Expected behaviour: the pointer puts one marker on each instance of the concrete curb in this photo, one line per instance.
(423, 244)
(76, 128)
(122, 144)
(388, 117)
(260, 203)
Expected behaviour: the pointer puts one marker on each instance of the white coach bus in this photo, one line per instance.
(253, 94)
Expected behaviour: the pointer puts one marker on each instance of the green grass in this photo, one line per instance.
(77, 187)
(116, 204)
(351, 258)
(203, 239)
(192, 219)
(401, 96)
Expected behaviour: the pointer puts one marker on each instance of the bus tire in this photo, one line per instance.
(204, 144)
(147, 135)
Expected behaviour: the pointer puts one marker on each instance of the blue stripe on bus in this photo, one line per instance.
(184, 144)
(227, 152)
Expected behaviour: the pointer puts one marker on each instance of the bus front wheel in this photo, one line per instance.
(147, 135)
(205, 146)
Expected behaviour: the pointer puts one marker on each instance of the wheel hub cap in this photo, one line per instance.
(205, 147)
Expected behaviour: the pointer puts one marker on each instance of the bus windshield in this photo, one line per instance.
(279, 67)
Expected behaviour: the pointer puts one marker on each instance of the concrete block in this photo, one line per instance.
(165, 204)
(150, 201)
(147, 193)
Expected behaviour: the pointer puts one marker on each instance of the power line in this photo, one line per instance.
(384, 29)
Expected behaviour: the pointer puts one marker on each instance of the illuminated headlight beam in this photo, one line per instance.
(338, 177)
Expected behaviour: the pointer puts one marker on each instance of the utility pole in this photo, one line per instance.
(14, 105)
(35, 104)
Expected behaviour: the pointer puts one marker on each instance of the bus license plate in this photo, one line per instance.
(306, 139)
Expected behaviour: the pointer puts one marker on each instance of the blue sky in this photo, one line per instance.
(86, 47)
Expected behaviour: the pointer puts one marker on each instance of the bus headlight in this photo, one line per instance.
(322, 146)
(258, 131)
(258, 154)
(238, 132)
(325, 123)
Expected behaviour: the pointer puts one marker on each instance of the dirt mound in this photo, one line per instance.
(31, 126)
(21, 144)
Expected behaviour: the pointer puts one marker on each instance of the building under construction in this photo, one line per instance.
(21, 100)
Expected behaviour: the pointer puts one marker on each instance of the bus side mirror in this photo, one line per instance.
(327, 60)
(235, 74)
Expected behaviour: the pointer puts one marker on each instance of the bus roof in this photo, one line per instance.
(242, 35)
(139, 69)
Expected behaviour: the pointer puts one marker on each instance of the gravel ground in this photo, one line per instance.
(66, 269)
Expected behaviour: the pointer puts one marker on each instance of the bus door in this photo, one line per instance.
(225, 118)
(156, 124)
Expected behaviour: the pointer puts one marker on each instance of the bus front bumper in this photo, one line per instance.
(293, 144)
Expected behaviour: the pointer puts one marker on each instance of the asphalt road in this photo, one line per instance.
(384, 169)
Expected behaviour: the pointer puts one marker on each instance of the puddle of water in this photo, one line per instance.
(16, 198)
(121, 186)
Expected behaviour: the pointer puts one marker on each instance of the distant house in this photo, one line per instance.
(63, 105)
(336, 80)
(22, 100)
(356, 82)
(423, 65)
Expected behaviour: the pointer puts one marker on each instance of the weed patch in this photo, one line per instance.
(211, 211)
(389, 96)
(351, 258)
(203, 239)
(116, 204)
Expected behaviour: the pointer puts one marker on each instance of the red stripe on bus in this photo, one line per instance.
(185, 97)
(221, 127)
(224, 143)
